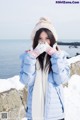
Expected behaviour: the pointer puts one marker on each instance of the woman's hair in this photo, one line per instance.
(35, 43)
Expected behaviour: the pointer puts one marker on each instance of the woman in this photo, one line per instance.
(44, 70)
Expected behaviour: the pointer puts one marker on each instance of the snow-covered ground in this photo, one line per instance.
(71, 93)
(72, 98)
(7, 84)
(74, 59)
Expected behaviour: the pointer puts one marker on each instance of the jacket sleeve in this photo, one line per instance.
(27, 69)
(60, 68)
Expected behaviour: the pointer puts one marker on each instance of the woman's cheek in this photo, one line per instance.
(48, 41)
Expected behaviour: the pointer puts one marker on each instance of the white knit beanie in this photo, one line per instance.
(44, 22)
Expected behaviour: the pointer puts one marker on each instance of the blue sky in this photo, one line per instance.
(18, 18)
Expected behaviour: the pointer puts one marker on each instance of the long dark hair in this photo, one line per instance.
(35, 43)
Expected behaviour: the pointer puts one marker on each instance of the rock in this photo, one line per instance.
(75, 68)
(13, 104)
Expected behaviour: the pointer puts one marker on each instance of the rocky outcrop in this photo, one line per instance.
(75, 68)
(13, 104)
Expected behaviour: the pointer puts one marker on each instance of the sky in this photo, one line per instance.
(18, 18)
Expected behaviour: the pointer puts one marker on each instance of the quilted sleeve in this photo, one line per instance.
(60, 68)
(27, 69)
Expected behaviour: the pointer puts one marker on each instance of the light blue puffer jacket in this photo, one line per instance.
(54, 105)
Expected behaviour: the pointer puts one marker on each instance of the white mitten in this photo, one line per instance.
(40, 48)
(50, 50)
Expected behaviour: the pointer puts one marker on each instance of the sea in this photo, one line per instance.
(10, 51)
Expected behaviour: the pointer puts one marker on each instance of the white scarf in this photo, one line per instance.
(39, 92)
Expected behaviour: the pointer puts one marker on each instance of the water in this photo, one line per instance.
(10, 50)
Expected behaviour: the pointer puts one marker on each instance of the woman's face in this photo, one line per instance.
(44, 37)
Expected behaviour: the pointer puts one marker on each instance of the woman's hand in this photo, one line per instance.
(40, 48)
(51, 50)
(44, 47)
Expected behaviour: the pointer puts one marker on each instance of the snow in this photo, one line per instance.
(24, 119)
(74, 59)
(72, 98)
(7, 84)
(71, 93)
